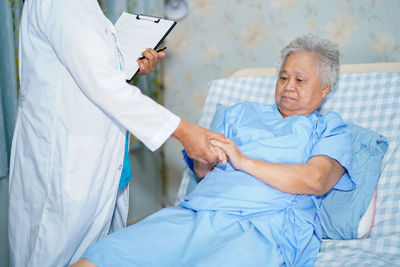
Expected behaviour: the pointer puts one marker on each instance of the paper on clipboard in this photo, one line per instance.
(135, 33)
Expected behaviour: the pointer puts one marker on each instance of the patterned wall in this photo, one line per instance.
(218, 37)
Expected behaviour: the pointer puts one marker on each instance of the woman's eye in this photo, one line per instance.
(300, 80)
(283, 78)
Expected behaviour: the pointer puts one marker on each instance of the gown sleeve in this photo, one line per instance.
(335, 141)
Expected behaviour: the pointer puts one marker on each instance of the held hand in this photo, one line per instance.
(196, 141)
(235, 156)
(149, 63)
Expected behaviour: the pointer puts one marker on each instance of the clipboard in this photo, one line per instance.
(135, 33)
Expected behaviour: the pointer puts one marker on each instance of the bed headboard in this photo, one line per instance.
(344, 68)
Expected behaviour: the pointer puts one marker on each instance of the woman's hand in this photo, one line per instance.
(149, 63)
(235, 156)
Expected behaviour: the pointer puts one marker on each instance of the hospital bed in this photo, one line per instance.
(367, 95)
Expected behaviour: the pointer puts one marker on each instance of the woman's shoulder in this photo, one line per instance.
(331, 117)
(331, 121)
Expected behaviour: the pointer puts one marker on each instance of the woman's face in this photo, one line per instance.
(299, 90)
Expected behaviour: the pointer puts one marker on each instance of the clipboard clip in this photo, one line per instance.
(147, 17)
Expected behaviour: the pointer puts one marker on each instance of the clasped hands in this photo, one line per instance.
(207, 147)
(204, 146)
(224, 151)
(227, 151)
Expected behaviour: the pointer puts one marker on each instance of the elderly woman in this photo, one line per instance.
(259, 206)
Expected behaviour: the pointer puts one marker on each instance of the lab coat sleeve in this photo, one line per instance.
(77, 32)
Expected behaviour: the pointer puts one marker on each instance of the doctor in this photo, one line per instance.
(70, 136)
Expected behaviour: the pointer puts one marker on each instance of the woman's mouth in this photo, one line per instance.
(287, 98)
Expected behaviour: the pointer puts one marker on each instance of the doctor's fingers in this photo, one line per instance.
(149, 63)
(210, 154)
(155, 53)
(152, 56)
(203, 151)
(211, 135)
(144, 67)
(221, 155)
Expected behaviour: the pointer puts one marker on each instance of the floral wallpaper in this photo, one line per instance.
(218, 37)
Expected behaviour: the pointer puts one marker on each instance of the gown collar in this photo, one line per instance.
(275, 107)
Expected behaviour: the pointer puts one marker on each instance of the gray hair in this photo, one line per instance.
(327, 52)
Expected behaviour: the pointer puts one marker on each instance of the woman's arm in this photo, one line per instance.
(315, 177)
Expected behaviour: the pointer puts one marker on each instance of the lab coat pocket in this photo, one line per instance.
(82, 166)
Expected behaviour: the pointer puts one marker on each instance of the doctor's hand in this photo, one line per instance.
(197, 142)
(149, 63)
(201, 169)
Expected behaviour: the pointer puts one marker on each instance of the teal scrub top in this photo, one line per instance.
(126, 174)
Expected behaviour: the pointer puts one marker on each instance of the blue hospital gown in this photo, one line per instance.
(231, 218)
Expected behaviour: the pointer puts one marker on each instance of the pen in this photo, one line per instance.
(158, 50)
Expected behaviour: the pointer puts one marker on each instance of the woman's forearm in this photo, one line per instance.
(289, 178)
(316, 177)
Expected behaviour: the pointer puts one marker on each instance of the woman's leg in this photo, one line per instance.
(157, 240)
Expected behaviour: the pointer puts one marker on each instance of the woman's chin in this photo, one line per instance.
(285, 107)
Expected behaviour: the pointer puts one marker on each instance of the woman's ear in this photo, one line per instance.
(325, 90)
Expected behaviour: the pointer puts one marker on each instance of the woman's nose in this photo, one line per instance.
(290, 85)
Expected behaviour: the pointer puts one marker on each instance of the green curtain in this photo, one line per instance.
(10, 13)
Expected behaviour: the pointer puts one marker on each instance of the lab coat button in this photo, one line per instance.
(120, 167)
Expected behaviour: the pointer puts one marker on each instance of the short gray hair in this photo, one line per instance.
(327, 52)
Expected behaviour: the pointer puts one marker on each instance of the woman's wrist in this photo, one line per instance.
(245, 163)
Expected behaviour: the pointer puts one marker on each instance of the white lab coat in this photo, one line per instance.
(68, 145)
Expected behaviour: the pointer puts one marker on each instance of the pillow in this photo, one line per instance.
(340, 211)
(350, 214)
(367, 220)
